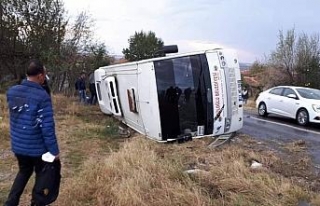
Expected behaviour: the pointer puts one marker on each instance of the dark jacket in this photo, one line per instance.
(80, 84)
(46, 87)
(32, 127)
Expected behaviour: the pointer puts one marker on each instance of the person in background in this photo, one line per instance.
(92, 88)
(46, 87)
(32, 128)
(45, 84)
(245, 95)
(81, 87)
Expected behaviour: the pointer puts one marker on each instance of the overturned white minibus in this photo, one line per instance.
(179, 96)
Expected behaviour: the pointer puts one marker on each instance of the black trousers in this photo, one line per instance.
(93, 98)
(26, 167)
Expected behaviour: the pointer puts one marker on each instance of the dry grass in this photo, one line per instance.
(82, 133)
(6, 158)
(146, 173)
(296, 146)
(100, 168)
(133, 176)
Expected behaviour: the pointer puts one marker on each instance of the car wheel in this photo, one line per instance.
(303, 117)
(262, 109)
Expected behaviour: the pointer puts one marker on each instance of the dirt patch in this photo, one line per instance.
(296, 146)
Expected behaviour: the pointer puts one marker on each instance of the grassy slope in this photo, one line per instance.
(100, 168)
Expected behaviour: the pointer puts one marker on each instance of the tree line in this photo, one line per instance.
(295, 61)
(41, 29)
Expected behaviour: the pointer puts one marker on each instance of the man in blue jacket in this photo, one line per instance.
(32, 127)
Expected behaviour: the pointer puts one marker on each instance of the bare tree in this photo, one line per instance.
(80, 52)
(297, 56)
(283, 58)
(30, 29)
(307, 61)
(40, 29)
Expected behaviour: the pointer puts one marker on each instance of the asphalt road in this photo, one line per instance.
(282, 130)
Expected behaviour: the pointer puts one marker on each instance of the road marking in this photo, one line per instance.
(281, 124)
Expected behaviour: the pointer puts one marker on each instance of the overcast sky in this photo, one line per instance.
(249, 26)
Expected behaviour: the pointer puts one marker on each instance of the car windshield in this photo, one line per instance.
(309, 93)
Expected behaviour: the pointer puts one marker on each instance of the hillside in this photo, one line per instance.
(244, 66)
(102, 168)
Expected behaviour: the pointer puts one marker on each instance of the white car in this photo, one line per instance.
(300, 103)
